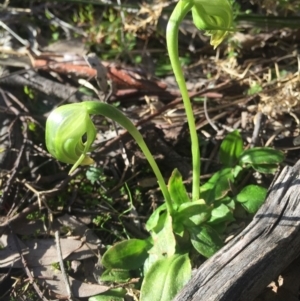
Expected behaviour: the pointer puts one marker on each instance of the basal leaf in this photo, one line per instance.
(261, 156)
(164, 241)
(217, 186)
(192, 214)
(127, 255)
(252, 197)
(237, 171)
(231, 148)
(265, 168)
(154, 219)
(151, 259)
(115, 275)
(116, 294)
(228, 201)
(205, 240)
(177, 189)
(220, 214)
(165, 278)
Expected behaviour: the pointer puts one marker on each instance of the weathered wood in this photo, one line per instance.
(246, 265)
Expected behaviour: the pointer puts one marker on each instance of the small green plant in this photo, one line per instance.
(222, 188)
(254, 89)
(185, 224)
(107, 35)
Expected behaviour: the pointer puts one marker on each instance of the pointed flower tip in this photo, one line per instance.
(217, 38)
(87, 160)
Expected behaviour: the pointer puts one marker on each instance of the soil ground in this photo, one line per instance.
(250, 83)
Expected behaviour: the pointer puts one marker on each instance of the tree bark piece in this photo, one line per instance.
(248, 263)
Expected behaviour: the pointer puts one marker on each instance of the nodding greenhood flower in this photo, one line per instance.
(213, 16)
(65, 128)
(67, 125)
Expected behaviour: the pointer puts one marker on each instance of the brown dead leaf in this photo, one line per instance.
(79, 228)
(42, 251)
(55, 282)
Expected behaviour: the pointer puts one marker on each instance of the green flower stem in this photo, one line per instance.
(180, 11)
(113, 113)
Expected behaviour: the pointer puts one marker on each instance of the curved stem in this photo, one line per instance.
(100, 108)
(180, 11)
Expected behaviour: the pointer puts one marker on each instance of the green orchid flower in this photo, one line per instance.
(213, 16)
(65, 128)
(67, 125)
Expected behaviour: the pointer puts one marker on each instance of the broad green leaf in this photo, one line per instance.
(231, 148)
(161, 223)
(192, 214)
(116, 294)
(115, 275)
(220, 214)
(252, 197)
(261, 156)
(177, 190)
(217, 186)
(266, 168)
(178, 228)
(205, 240)
(237, 170)
(153, 220)
(228, 201)
(165, 278)
(151, 259)
(182, 243)
(126, 255)
(164, 242)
